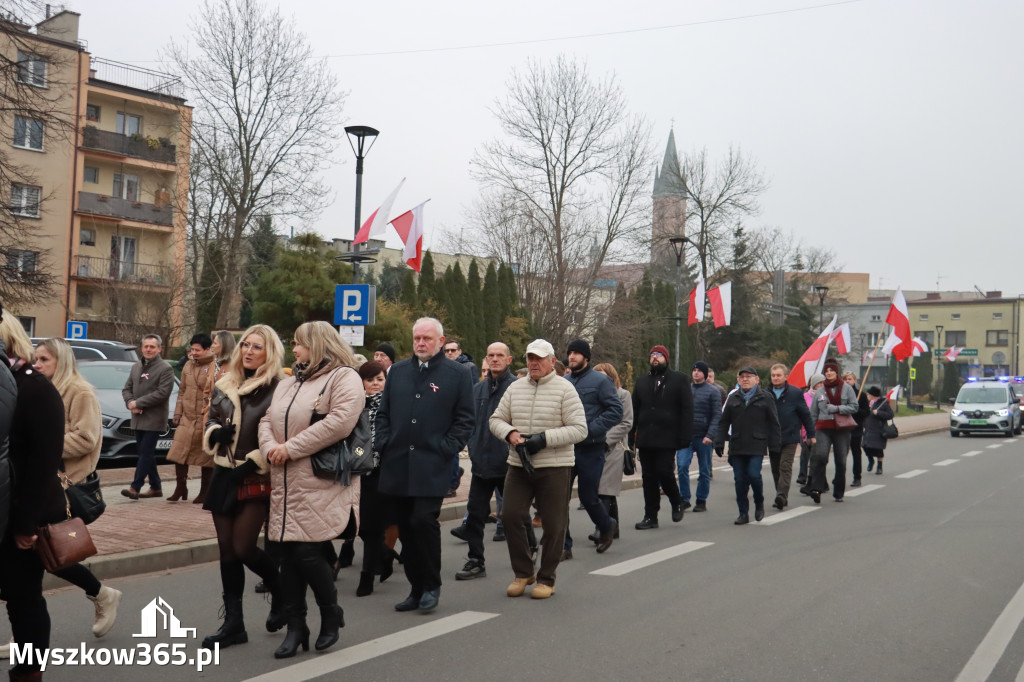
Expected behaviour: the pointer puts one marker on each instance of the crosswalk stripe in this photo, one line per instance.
(650, 559)
(912, 474)
(946, 462)
(325, 664)
(863, 489)
(787, 515)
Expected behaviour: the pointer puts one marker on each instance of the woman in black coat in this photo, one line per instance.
(36, 445)
(879, 412)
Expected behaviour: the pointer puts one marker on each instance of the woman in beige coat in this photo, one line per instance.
(306, 511)
(83, 435)
(197, 380)
(611, 477)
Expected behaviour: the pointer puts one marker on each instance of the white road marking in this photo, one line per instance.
(725, 468)
(994, 446)
(786, 515)
(1010, 440)
(863, 489)
(325, 664)
(912, 474)
(946, 462)
(991, 649)
(651, 559)
(972, 453)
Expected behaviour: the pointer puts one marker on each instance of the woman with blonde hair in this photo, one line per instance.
(35, 443)
(83, 435)
(239, 495)
(315, 407)
(222, 348)
(611, 477)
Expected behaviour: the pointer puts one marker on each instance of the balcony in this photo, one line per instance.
(115, 207)
(147, 80)
(148, 149)
(89, 267)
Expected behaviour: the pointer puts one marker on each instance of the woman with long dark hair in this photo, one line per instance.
(377, 557)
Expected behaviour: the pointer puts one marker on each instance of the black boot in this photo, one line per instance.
(232, 631)
(278, 616)
(365, 584)
(298, 634)
(347, 553)
(332, 618)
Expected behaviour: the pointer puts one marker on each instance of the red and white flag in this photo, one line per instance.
(721, 304)
(696, 313)
(409, 227)
(869, 355)
(919, 346)
(952, 353)
(813, 359)
(376, 225)
(893, 394)
(901, 338)
(842, 338)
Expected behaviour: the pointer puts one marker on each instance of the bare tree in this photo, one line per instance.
(267, 116)
(565, 190)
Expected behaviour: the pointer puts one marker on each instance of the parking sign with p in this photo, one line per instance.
(77, 330)
(355, 304)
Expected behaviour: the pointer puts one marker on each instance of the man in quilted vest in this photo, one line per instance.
(541, 417)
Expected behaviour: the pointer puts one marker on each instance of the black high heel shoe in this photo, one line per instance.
(388, 566)
(290, 646)
(332, 618)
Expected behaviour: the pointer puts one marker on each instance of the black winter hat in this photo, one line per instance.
(702, 367)
(387, 349)
(875, 391)
(581, 347)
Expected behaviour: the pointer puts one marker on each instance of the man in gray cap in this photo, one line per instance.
(540, 417)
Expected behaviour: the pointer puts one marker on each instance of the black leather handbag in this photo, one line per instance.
(352, 455)
(86, 499)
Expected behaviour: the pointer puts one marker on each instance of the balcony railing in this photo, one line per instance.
(150, 149)
(137, 77)
(89, 267)
(102, 204)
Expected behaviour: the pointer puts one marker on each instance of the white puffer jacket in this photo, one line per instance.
(550, 405)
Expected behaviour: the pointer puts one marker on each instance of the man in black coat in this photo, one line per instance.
(662, 424)
(8, 399)
(424, 420)
(750, 414)
(793, 414)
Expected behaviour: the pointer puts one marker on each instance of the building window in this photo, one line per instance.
(84, 299)
(927, 337)
(25, 200)
(129, 124)
(87, 237)
(31, 69)
(997, 316)
(92, 174)
(876, 318)
(923, 317)
(997, 337)
(955, 316)
(28, 133)
(126, 186)
(29, 324)
(23, 262)
(92, 112)
(956, 339)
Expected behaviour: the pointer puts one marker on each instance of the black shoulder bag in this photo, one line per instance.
(350, 456)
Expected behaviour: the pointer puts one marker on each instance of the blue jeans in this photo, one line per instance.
(683, 458)
(588, 469)
(746, 471)
(145, 444)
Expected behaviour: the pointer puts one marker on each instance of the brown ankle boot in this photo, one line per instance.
(181, 489)
(207, 474)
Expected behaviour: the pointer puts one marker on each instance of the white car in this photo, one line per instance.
(986, 406)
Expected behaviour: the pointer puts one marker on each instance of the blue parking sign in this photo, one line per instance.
(355, 304)
(77, 330)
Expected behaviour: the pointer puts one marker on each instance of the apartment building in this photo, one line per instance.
(110, 193)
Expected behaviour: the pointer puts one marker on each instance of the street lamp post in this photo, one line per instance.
(938, 366)
(677, 247)
(821, 291)
(360, 135)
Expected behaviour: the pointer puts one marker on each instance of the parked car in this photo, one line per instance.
(985, 406)
(98, 349)
(108, 378)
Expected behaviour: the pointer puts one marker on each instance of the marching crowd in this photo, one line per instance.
(259, 434)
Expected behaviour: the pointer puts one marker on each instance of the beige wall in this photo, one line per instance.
(976, 318)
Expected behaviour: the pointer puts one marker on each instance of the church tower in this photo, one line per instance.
(669, 205)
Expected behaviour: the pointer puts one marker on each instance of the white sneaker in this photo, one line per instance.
(106, 610)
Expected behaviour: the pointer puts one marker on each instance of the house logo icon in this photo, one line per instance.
(158, 615)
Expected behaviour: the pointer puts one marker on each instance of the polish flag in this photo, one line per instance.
(919, 346)
(409, 227)
(813, 359)
(696, 313)
(721, 304)
(377, 223)
(893, 394)
(869, 355)
(842, 338)
(952, 353)
(899, 318)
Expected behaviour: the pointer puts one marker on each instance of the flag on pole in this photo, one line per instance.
(842, 338)
(813, 359)
(919, 346)
(696, 312)
(893, 394)
(377, 223)
(721, 304)
(899, 318)
(869, 355)
(409, 227)
(951, 354)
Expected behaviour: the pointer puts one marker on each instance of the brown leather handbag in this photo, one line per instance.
(64, 544)
(255, 487)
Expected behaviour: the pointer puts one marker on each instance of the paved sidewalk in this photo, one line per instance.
(149, 535)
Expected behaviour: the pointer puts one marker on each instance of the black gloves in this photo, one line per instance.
(535, 443)
(247, 468)
(224, 435)
(524, 459)
(720, 449)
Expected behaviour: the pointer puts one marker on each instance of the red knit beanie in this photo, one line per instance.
(662, 350)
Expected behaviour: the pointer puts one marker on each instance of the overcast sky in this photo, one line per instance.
(891, 131)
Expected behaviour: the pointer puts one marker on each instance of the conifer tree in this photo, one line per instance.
(491, 308)
(427, 290)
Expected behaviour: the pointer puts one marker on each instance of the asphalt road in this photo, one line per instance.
(913, 580)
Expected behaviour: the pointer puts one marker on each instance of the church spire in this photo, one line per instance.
(668, 180)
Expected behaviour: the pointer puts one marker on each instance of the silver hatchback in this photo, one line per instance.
(988, 406)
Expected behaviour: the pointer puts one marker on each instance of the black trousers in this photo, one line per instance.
(855, 439)
(372, 523)
(658, 470)
(21, 586)
(420, 533)
(478, 508)
(304, 564)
